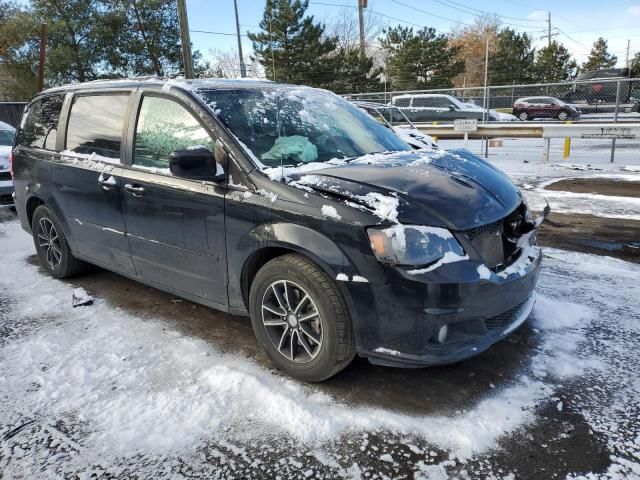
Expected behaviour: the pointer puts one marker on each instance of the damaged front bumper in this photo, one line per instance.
(445, 315)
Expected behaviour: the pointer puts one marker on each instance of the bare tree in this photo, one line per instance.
(225, 64)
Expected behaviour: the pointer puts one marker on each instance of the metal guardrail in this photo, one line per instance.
(625, 130)
(547, 131)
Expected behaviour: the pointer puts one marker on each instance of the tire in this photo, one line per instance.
(524, 116)
(330, 328)
(51, 245)
(563, 116)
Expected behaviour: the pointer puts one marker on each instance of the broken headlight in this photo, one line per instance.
(412, 245)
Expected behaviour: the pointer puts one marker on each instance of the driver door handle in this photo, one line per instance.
(134, 189)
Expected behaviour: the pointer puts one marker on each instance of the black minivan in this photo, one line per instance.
(283, 203)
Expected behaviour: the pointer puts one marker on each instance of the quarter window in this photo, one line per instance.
(95, 125)
(165, 126)
(40, 125)
(402, 102)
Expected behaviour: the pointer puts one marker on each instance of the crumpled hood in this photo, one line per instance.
(454, 189)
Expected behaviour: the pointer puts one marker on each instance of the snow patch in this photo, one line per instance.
(387, 351)
(358, 278)
(449, 257)
(484, 272)
(330, 211)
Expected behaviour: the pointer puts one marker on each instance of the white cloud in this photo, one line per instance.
(538, 15)
(634, 10)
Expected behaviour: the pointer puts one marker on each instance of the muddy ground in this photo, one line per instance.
(600, 186)
(559, 443)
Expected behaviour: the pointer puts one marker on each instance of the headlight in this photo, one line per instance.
(412, 245)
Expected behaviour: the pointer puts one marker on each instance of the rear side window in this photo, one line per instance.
(401, 102)
(95, 124)
(424, 102)
(40, 126)
(164, 126)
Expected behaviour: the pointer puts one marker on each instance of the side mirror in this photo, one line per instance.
(451, 108)
(195, 163)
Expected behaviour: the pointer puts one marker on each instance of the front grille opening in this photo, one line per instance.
(496, 242)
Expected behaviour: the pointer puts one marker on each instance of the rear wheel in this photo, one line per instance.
(300, 319)
(524, 116)
(51, 244)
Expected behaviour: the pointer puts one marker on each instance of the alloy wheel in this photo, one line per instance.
(292, 321)
(562, 116)
(523, 116)
(49, 241)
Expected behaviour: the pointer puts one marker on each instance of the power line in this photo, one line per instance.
(208, 32)
(447, 3)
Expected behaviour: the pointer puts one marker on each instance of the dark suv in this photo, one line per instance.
(283, 203)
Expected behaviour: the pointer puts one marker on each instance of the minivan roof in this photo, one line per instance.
(160, 82)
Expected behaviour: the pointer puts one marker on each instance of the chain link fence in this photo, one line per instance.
(11, 112)
(611, 100)
(596, 100)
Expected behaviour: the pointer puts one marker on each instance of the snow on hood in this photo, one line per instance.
(421, 185)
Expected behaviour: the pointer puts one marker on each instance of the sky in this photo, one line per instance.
(577, 23)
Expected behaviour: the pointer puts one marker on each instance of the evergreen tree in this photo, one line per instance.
(599, 57)
(554, 64)
(148, 38)
(291, 46)
(354, 72)
(634, 65)
(419, 60)
(514, 59)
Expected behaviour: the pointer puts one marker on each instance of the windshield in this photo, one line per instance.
(293, 125)
(6, 137)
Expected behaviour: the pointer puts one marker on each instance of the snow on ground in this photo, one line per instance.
(534, 175)
(97, 389)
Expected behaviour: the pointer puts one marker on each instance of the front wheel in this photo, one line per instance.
(524, 116)
(300, 319)
(51, 245)
(563, 116)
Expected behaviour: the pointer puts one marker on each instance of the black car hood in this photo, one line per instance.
(453, 189)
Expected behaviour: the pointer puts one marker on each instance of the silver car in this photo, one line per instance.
(7, 132)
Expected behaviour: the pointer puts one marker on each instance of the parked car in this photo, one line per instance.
(283, 203)
(7, 132)
(499, 116)
(388, 114)
(529, 108)
(432, 107)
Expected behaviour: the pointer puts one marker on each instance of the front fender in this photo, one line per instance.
(302, 239)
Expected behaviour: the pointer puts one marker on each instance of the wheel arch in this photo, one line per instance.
(285, 238)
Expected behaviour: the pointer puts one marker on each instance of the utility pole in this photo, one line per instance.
(43, 56)
(243, 68)
(184, 37)
(549, 29)
(628, 46)
(362, 4)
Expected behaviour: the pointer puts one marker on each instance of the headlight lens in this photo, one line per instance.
(412, 245)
